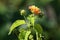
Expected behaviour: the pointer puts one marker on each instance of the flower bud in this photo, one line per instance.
(31, 37)
(23, 12)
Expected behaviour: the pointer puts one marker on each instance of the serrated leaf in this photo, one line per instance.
(16, 24)
(38, 28)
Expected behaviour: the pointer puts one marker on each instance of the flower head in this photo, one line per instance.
(34, 9)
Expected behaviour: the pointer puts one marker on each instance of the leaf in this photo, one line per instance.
(16, 24)
(22, 34)
(32, 18)
(27, 34)
(38, 28)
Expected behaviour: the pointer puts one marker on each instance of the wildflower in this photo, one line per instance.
(35, 9)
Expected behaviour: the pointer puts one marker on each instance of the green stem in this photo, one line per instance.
(36, 35)
(40, 37)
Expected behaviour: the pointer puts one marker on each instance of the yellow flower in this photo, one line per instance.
(35, 9)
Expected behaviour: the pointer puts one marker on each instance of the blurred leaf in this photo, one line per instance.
(38, 28)
(24, 26)
(22, 34)
(30, 2)
(16, 24)
(27, 34)
(31, 18)
(44, 2)
(46, 35)
(3, 8)
(15, 3)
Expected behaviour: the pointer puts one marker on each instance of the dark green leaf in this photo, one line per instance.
(38, 28)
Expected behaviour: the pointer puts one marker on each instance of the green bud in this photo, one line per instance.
(23, 12)
(31, 37)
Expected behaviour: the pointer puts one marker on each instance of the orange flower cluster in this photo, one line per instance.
(35, 9)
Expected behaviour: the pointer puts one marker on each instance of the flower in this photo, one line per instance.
(34, 9)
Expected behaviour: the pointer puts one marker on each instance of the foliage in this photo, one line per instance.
(16, 24)
(32, 29)
(50, 22)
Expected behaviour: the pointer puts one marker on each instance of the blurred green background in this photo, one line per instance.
(9, 12)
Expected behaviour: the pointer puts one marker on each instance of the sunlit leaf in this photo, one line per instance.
(22, 34)
(16, 24)
(27, 34)
(31, 18)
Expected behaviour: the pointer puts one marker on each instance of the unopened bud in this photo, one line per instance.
(23, 12)
(31, 37)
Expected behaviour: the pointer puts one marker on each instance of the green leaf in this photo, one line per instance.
(16, 24)
(31, 18)
(22, 34)
(37, 36)
(38, 28)
(27, 34)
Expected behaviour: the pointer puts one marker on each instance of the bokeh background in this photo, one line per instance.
(9, 12)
